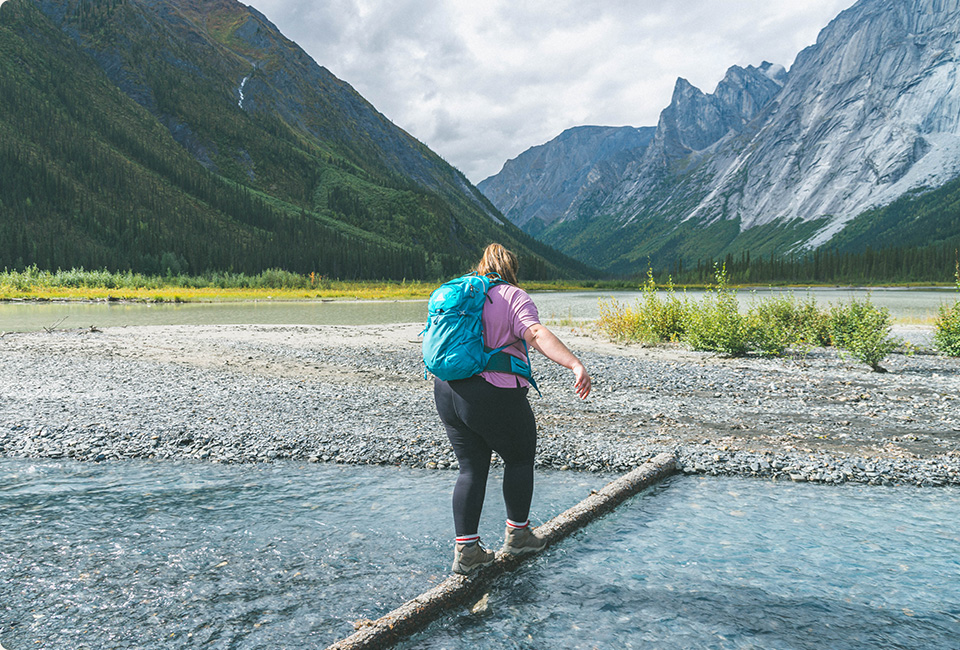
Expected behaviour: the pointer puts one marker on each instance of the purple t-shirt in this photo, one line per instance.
(505, 319)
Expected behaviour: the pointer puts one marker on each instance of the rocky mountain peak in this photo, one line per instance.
(774, 71)
(694, 121)
(542, 184)
(867, 114)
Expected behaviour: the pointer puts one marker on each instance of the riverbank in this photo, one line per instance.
(78, 285)
(185, 294)
(357, 394)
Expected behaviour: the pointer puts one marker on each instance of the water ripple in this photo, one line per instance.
(736, 563)
(138, 554)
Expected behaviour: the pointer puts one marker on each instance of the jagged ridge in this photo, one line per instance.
(867, 114)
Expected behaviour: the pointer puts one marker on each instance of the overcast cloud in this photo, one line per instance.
(480, 82)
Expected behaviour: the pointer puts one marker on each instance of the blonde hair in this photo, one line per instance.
(497, 259)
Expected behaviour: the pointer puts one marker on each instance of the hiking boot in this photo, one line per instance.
(520, 541)
(469, 558)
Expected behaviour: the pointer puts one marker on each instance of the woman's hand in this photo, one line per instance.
(546, 342)
(582, 383)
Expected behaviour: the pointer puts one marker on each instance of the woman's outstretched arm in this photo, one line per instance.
(547, 343)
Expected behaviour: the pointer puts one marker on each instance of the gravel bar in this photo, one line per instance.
(342, 394)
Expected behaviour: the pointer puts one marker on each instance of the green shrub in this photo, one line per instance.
(715, 324)
(660, 317)
(618, 320)
(32, 277)
(18, 281)
(654, 318)
(813, 324)
(946, 336)
(769, 330)
(862, 329)
(280, 279)
(783, 321)
(671, 316)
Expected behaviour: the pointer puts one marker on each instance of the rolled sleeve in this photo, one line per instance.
(525, 316)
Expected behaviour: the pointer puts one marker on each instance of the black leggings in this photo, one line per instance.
(480, 417)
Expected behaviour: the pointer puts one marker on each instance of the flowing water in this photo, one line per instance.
(139, 554)
(737, 563)
(908, 304)
(181, 555)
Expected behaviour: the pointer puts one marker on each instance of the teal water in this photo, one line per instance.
(904, 304)
(184, 555)
(29, 316)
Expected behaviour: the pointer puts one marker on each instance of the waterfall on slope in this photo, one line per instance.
(240, 91)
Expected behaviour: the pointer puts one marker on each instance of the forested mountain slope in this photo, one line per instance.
(192, 136)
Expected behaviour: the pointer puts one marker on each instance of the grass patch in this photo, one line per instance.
(274, 284)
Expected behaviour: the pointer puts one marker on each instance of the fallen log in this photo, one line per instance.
(458, 590)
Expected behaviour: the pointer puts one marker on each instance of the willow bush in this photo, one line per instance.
(946, 336)
(32, 277)
(782, 322)
(715, 324)
(771, 327)
(654, 319)
(862, 329)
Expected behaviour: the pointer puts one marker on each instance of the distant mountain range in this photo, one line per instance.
(192, 136)
(857, 146)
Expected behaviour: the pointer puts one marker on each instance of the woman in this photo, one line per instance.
(490, 412)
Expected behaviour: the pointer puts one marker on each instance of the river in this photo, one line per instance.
(909, 305)
(141, 554)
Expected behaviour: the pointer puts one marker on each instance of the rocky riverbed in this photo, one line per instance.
(358, 395)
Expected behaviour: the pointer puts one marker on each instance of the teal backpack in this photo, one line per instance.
(453, 345)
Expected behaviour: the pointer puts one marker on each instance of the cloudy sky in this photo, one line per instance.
(480, 81)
